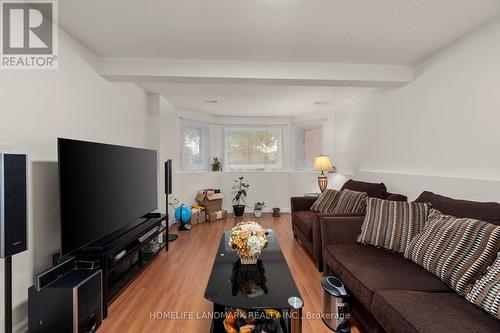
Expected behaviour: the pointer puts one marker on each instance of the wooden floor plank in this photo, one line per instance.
(176, 281)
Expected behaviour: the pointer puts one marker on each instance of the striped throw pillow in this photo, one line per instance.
(486, 290)
(350, 202)
(392, 224)
(457, 250)
(326, 202)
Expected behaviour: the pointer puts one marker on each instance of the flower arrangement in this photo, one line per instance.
(248, 239)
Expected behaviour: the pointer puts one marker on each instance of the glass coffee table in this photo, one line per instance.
(263, 295)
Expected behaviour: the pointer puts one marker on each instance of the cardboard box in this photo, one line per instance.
(218, 215)
(211, 202)
(198, 215)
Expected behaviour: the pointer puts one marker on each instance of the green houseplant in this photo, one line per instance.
(257, 210)
(216, 164)
(240, 192)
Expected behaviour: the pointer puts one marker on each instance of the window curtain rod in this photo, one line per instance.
(236, 125)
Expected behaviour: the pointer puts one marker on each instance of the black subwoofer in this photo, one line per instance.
(72, 303)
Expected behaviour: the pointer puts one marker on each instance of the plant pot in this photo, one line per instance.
(276, 212)
(238, 210)
(257, 212)
(215, 167)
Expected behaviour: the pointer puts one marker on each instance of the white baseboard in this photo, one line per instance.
(265, 210)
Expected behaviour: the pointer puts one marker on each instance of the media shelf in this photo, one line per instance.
(125, 257)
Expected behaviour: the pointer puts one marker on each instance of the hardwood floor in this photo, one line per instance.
(176, 281)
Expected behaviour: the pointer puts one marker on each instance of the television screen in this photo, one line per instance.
(103, 189)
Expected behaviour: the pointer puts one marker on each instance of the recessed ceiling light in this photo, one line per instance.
(321, 102)
(211, 101)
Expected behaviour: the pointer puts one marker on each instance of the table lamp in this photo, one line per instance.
(322, 163)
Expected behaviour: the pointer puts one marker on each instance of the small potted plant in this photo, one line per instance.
(257, 210)
(216, 164)
(240, 193)
(276, 212)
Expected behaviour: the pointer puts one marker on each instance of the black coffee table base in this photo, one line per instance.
(290, 322)
(248, 290)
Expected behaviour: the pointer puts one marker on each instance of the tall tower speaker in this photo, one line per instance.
(13, 204)
(168, 190)
(13, 220)
(168, 177)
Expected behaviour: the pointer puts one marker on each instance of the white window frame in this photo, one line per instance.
(300, 163)
(204, 144)
(276, 129)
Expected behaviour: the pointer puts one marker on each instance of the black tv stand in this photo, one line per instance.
(152, 215)
(125, 257)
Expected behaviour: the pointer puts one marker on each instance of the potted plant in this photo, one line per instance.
(257, 210)
(240, 192)
(216, 164)
(276, 212)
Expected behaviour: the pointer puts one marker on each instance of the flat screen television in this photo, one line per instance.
(104, 189)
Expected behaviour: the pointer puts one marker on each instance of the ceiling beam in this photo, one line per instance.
(279, 73)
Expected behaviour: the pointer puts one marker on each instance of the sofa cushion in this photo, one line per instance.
(304, 221)
(376, 190)
(366, 269)
(392, 224)
(484, 211)
(350, 202)
(486, 290)
(416, 311)
(326, 201)
(456, 250)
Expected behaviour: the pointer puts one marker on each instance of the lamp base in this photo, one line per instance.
(322, 183)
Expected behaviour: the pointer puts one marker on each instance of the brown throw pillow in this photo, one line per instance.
(326, 202)
(350, 202)
(457, 250)
(392, 224)
(375, 190)
(486, 290)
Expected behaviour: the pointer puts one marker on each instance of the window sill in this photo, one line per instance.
(255, 171)
(193, 171)
(244, 171)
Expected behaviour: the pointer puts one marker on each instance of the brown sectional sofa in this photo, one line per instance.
(392, 294)
(305, 223)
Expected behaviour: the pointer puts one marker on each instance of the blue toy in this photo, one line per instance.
(186, 213)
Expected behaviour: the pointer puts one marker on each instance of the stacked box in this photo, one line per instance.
(211, 202)
(198, 215)
(217, 215)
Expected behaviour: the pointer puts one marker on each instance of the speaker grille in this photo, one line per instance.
(168, 177)
(13, 207)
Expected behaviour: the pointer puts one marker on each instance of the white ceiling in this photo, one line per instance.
(331, 31)
(352, 31)
(253, 100)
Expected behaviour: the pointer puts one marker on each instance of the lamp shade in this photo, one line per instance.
(322, 163)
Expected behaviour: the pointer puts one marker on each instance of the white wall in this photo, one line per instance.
(37, 107)
(440, 132)
(272, 187)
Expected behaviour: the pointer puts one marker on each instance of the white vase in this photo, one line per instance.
(257, 212)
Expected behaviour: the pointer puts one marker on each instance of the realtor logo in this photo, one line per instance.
(29, 34)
